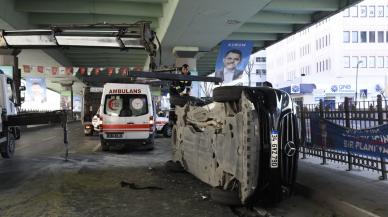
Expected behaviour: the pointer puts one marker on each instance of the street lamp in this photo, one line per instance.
(358, 64)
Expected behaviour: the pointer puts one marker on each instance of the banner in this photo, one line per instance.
(232, 59)
(35, 90)
(372, 141)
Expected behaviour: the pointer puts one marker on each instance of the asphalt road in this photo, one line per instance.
(38, 182)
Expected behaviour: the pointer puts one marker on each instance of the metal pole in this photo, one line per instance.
(355, 99)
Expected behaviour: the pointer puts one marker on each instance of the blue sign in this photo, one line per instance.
(295, 88)
(232, 59)
(372, 141)
(364, 93)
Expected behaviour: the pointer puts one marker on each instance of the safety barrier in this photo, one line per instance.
(356, 122)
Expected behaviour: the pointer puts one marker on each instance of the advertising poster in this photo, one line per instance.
(232, 59)
(35, 90)
(372, 141)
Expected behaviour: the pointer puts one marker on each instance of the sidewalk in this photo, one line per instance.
(346, 193)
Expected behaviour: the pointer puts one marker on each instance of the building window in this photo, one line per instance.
(371, 11)
(354, 11)
(386, 62)
(380, 62)
(354, 62)
(363, 63)
(346, 37)
(372, 37)
(380, 36)
(363, 37)
(346, 13)
(363, 11)
(327, 40)
(346, 62)
(354, 37)
(260, 59)
(327, 64)
(380, 11)
(386, 35)
(372, 62)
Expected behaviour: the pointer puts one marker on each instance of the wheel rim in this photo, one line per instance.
(169, 131)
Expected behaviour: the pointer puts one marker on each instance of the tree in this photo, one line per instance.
(248, 71)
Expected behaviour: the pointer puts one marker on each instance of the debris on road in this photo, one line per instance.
(136, 187)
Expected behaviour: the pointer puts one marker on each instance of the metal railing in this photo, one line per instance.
(353, 115)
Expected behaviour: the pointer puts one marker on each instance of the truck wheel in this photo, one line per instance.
(227, 94)
(167, 131)
(225, 197)
(104, 145)
(9, 147)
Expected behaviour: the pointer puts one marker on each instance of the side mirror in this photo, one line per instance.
(22, 88)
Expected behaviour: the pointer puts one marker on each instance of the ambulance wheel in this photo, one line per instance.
(167, 130)
(227, 93)
(104, 145)
(8, 148)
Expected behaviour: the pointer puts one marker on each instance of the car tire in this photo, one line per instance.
(175, 167)
(227, 94)
(179, 100)
(225, 197)
(167, 130)
(104, 145)
(8, 148)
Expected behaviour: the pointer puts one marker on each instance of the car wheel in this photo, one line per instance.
(104, 145)
(8, 148)
(227, 94)
(175, 167)
(167, 130)
(225, 197)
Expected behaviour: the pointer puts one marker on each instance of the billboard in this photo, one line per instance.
(232, 59)
(35, 90)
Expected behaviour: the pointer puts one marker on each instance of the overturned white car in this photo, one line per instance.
(244, 144)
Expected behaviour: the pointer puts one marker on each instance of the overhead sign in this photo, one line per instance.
(232, 59)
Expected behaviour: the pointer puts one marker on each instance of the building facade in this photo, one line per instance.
(340, 55)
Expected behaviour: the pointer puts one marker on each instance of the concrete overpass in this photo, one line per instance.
(201, 24)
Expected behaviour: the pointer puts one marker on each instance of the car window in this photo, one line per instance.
(126, 105)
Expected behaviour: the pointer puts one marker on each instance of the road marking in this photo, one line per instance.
(49, 138)
(365, 212)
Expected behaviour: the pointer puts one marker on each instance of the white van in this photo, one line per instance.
(127, 116)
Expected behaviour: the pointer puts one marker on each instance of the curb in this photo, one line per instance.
(337, 206)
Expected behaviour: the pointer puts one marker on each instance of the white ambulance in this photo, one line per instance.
(127, 116)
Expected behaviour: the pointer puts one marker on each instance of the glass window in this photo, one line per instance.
(386, 36)
(363, 37)
(380, 11)
(354, 62)
(126, 105)
(363, 63)
(386, 62)
(372, 37)
(354, 36)
(327, 41)
(363, 11)
(346, 13)
(380, 36)
(346, 62)
(354, 11)
(380, 62)
(327, 64)
(372, 62)
(371, 11)
(346, 37)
